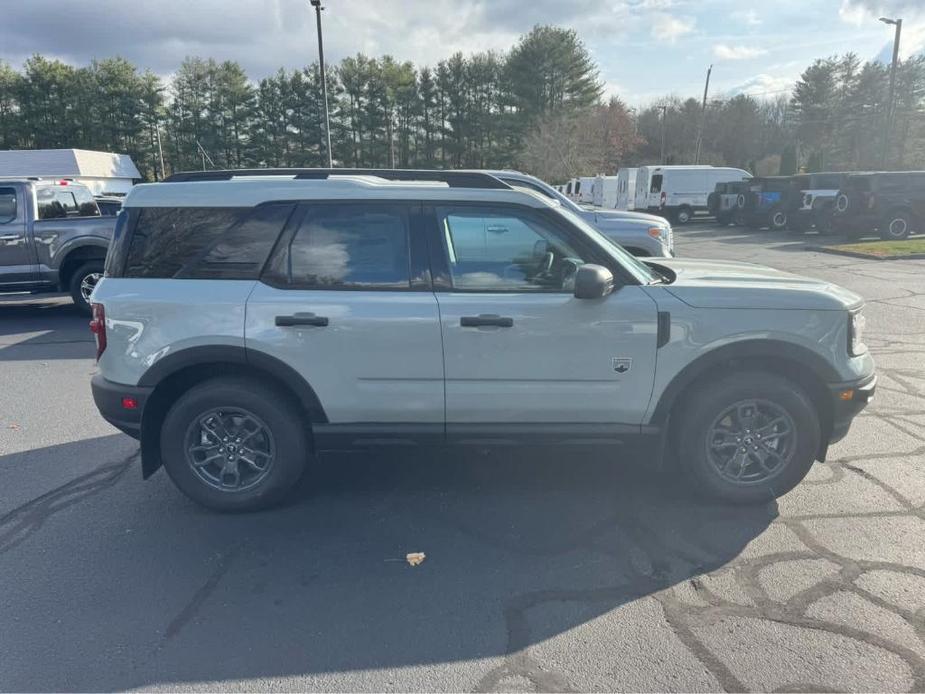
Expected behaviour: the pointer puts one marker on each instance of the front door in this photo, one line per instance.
(17, 265)
(346, 302)
(521, 353)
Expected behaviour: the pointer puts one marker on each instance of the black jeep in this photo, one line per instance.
(723, 202)
(767, 202)
(889, 203)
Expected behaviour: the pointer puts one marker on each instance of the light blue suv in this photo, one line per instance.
(250, 319)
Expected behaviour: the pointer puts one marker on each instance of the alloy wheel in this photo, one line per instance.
(230, 449)
(751, 442)
(88, 284)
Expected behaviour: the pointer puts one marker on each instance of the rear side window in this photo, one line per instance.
(347, 247)
(7, 205)
(203, 242)
(59, 202)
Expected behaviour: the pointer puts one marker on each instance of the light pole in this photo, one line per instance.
(887, 131)
(324, 82)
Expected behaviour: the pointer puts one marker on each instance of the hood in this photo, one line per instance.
(731, 284)
(628, 215)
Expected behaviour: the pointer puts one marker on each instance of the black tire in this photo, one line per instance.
(683, 215)
(279, 414)
(824, 224)
(777, 220)
(897, 225)
(699, 413)
(723, 219)
(89, 272)
(797, 224)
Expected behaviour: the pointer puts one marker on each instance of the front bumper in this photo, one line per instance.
(848, 400)
(110, 399)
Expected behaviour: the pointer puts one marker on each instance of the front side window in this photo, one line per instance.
(7, 205)
(503, 250)
(656, 184)
(354, 246)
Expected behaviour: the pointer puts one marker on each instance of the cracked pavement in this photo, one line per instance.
(545, 570)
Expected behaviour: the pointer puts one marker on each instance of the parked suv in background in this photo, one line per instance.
(767, 202)
(246, 324)
(892, 203)
(640, 233)
(813, 201)
(723, 202)
(52, 238)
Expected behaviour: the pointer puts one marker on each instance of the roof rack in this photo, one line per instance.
(454, 179)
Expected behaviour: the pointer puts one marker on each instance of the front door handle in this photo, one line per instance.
(301, 319)
(486, 319)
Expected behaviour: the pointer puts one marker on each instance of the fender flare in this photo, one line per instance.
(747, 349)
(231, 354)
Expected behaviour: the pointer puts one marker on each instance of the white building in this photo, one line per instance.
(104, 173)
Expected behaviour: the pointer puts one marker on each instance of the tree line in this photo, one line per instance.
(539, 107)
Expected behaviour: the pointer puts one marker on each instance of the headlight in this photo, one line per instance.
(856, 324)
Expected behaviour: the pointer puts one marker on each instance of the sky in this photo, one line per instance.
(645, 48)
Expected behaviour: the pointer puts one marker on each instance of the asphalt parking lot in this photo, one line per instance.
(544, 571)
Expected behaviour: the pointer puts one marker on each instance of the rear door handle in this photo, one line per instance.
(486, 319)
(301, 319)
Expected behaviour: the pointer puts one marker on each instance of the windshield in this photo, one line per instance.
(642, 272)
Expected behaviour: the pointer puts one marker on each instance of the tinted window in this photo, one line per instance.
(242, 250)
(499, 250)
(86, 205)
(7, 205)
(166, 238)
(350, 247)
(109, 208)
(656, 184)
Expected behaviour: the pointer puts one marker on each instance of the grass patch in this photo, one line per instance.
(885, 249)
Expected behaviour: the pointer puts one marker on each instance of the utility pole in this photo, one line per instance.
(703, 116)
(160, 150)
(664, 116)
(324, 81)
(890, 107)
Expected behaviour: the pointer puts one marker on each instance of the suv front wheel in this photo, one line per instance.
(234, 444)
(748, 437)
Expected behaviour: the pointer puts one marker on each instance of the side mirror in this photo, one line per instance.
(593, 282)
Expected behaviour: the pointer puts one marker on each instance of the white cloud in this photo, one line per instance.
(861, 11)
(724, 51)
(763, 86)
(669, 28)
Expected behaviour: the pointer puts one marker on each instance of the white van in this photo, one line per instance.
(626, 189)
(585, 189)
(680, 192)
(605, 192)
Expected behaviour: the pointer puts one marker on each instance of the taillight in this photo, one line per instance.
(98, 328)
(664, 198)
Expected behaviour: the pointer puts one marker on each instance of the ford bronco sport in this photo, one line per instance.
(245, 324)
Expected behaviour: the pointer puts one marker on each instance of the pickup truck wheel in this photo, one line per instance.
(234, 444)
(748, 437)
(896, 226)
(83, 281)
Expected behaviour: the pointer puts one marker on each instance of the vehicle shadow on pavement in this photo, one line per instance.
(44, 328)
(129, 584)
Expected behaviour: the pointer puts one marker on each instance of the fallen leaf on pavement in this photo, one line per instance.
(415, 558)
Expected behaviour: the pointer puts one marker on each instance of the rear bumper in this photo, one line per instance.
(848, 400)
(109, 398)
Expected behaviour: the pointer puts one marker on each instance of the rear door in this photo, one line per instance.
(346, 301)
(17, 263)
(521, 352)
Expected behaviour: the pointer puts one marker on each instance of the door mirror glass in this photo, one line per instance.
(593, 282)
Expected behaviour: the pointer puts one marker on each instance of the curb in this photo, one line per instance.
(864, 256)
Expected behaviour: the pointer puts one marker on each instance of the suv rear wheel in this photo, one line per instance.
(896, 226)
(83, 282)
(234, 444)
(748, 437)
